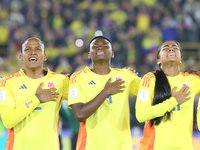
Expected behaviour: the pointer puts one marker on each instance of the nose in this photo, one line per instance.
(32, 51)
(100, 47)
(171, 49)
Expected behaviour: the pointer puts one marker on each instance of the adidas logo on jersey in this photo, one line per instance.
(92, 83)
(23, 87)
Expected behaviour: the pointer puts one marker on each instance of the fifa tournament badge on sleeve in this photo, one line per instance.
(2, 95)
(1, 78)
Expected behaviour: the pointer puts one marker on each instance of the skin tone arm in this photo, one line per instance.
(12, 116)
(83, 111)
(45, 95)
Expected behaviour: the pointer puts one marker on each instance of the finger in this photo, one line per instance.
(54, 93)
(121, 82)
(120, 87)
(54, 96)
(187, 93)
(188, 98)
(187, 88)
(136, 73)
(130, 69)
(175, 88)
(117, 82)
(41, 84)
(68, 75)
(119, 91)
(183, 89)
(53, 89)
(109, 80)
(52, 99)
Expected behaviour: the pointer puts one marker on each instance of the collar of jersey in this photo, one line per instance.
(174, 77)
(89, 70)
(23, 74)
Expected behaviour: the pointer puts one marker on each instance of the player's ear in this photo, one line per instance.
(45, 57)
(20, 57)
(89, 57)
(158, 61)
(113, 55)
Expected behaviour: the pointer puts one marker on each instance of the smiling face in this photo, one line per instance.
(100, 49)
(169, 52)
(32, 54)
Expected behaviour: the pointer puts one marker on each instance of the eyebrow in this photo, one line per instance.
(103, 43)
(168, 45)
(30, 46)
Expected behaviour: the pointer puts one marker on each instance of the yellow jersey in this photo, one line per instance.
(108, 128)
(38, 129)
(174, 134)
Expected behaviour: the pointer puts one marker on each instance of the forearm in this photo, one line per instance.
(12, 116)
(145, 112)
(83, 111)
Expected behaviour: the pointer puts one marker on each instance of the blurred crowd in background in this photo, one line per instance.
(136, 29)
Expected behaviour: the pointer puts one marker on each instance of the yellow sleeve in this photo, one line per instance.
(75, 91)
(197, 83)
(11, 116)
(65, 88)
(198, 115)
(144, 109)
(135, 83)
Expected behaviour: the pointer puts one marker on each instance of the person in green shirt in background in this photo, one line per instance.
(66, 114)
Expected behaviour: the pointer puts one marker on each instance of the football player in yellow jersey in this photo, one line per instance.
(198, 107)
(165, 102)
(198, 115)
(30, 101)
(98, 97)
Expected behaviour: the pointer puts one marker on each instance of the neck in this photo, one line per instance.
(171, 69)
(34, 73)
(101, 68)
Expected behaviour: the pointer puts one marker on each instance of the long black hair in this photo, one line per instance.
(162, 90)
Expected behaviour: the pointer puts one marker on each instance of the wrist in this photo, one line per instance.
(38, 97)
(105, 92)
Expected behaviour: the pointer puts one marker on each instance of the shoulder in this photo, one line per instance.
(147, 78)
(59, 75)
(149, 74)
(123, 70)
(186, 74)
(78, 74)
(10, 78)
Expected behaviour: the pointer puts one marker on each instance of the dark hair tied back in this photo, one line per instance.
(162, 91)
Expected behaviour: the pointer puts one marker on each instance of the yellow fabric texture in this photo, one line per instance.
(198, 115)
(34, 125)
(174, 134)
(109, 126)
(11, 116)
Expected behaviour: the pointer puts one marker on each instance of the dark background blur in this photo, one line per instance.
(135, 27)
